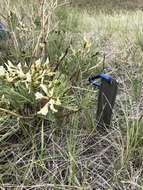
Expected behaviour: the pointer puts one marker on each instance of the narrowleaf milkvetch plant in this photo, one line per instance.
(36, 86)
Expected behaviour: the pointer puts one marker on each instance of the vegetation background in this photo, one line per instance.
(48, 134)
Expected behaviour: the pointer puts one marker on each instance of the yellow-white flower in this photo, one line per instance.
(38, 95)
(44, 110)
(2, 71)
(28, 77)
(47, 61)
(51, 101)
(38, 62)
(44, 88)
(20, 71)
(10, 66)
(50, 104)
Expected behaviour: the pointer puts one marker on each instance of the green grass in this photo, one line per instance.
(65, 150)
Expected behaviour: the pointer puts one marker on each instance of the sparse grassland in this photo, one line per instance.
(48, 134)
